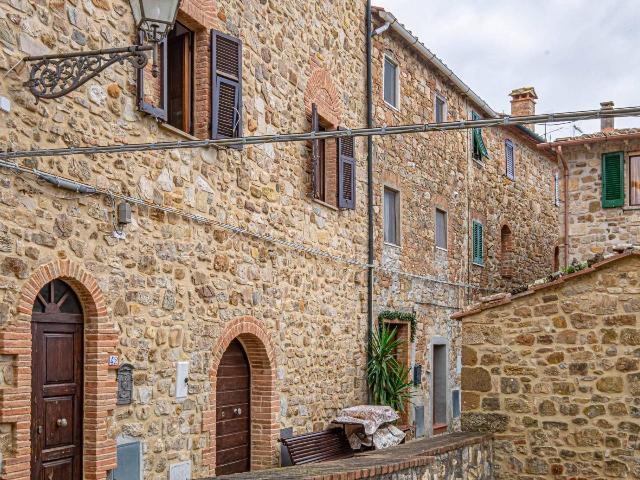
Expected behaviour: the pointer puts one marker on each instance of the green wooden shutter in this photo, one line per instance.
(478, 243)
(612, 180)
(479, 148)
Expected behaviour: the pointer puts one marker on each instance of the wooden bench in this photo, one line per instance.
(317, 447)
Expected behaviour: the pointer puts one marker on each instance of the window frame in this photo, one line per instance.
(477, 260)
(398, 236)
(556, 189)
(190, 34)
(631, 156)
(390, 59)
(508, 144)
(437, 96)
(446, 229)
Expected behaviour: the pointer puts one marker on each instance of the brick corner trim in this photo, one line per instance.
(253, 336)
(99, 454)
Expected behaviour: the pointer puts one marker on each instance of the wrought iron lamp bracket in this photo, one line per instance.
(53, 76)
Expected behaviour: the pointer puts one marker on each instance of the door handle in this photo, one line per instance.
(40, 429)
(62, 422)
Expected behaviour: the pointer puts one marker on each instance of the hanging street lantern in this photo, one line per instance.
(56, 75)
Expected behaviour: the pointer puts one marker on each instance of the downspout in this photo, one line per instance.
(370, 257)
(565, 169)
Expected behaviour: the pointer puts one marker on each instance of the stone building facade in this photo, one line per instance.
(596, 225)
(434, 173)
(554, 373)
(227, 246)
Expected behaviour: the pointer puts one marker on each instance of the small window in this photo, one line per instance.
(391, 82)
(441, 229)
(556, 189)
(478, 243)
(440, 109)
(506, 249)
(510, 160)
(612, 180)
(634, 180)
(391, 216)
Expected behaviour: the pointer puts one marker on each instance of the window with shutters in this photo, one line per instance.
(612, 180)
(391, 216)
(391, 83)
(441, 229)
(634, 180)
(478, 243)
(169, 97)
(226, 86)
(510, 160)
(334, 165)
(440, 109)
(478, 147)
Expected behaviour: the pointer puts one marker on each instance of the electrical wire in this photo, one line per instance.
(306, 136)
(317, 252)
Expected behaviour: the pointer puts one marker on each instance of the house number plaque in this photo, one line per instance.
(125, 384)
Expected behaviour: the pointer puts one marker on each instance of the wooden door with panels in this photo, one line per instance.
(233, 416)
(57, 329)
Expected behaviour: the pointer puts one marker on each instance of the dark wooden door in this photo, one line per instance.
(57, 384)
(233, 420)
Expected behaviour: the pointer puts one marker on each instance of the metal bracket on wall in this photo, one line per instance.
(56, 75)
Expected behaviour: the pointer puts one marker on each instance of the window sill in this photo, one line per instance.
(177, 131)
(479, 163)
(476, 264)
(440, 249)
(392, 107)
(631, 208)
(325, 204)
(513, 180)
(389, 244)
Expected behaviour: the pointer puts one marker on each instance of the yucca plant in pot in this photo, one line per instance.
(388, 379)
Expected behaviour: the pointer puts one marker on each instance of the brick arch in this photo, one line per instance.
(321, 91)
(99, 453)
(264, 403)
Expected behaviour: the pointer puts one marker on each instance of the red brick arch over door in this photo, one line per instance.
(264, 402)
(99, 452)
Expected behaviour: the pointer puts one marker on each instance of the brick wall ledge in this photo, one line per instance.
(380, 462)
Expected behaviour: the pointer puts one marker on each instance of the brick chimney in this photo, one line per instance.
(607, 125)
(523, 101)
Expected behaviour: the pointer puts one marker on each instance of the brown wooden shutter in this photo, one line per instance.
(152, 97)
(347, 173)
(226, 86)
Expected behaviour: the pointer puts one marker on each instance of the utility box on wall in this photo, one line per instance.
(129, 462)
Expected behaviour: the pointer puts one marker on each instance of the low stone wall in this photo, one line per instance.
(554, 373)
(457, 456)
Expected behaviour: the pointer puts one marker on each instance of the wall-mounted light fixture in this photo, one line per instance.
(56, 75)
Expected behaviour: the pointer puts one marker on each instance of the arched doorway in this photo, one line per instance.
(57, 366)
(233, 412)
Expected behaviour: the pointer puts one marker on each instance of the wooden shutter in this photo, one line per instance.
(479, 148)
(510, 160)
(315, 152)
(478, 243)
(153, 99)
(346, 173)
(634, 180)
(226, 86)
(612, 180)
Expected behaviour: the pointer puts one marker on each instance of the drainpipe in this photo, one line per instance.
(370, 257)
(565, 172)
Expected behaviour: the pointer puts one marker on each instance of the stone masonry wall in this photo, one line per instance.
(435, 170)
(555, 374)
(173, 285)
(593, 229)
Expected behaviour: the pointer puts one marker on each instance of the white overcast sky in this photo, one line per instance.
(576, 53)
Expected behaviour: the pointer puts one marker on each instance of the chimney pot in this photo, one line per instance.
(523, 103)
(607, 125)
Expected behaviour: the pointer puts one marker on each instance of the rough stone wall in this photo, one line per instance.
(173, 285)
(555, 374)
(435, 170)
(593, 229)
